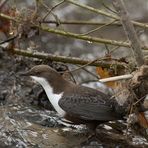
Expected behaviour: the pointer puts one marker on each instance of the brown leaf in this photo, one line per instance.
(142, 120)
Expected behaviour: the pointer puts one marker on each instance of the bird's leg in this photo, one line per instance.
(92, 135)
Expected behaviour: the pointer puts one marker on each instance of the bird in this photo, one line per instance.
(77, 104)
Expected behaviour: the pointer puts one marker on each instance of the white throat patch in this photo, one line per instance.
(53, 98)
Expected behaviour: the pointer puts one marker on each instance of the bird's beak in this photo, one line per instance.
(28, 73)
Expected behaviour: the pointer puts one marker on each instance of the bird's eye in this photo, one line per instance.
(37, 73)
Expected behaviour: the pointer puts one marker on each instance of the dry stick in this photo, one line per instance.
(115, 48)
(74, 35)
(9, 17)
(93, 9)
(84, 66)
(89, 72)
(85, 37)
(73, 60)
(108, 8)
(2, 3)
(130, 31)
(117, 78)
(53, 8)
(9, 39)
(76, 22)
(50, 11)
(64, 59)
(98, 28)
(104, 13)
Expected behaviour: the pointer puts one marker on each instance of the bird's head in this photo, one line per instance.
(43, 74)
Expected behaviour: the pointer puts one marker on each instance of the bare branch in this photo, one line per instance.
(104, 13)
(117, 78)
(84, 37)
(93, 9)
(50, 11)
(77, 36)
(78, 22)
(9, 39)
(98, 28)
(71, 60)
(53, 8)
(130, 31)
(2, 3)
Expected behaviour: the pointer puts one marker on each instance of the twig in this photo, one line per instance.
(77, 36)
(50, 11)
(115, 48)
(130, 31)
(128, 123)
(98, 28)
(2, 3)
(107, 7)
(83, 66)
(117, 78)
(87, 38)
(8, 17)
(93, 9)
(139, 100)
(77, 22)
(104, 13)
(91, 73)
(64, 59)
(9, 39)
(53, 8)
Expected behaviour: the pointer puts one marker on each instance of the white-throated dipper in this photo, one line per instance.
(77, 104)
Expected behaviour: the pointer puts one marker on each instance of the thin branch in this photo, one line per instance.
(98, 28)
(50, 11)
(93, 9)
(108, 8)
(115, 48)
(130, 31)
(77, 36)
(58, 4)
(87, 38)
(8, 17)
(2, 3)
(64, 59)
(139, 100)
(84, 66)
(77, 22)
(89, 72)
(9, 39)
(104, 13)
(117, 78)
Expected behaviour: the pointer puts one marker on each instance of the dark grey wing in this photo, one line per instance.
(89, 107)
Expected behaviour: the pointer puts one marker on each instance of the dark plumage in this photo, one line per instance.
(82, 105)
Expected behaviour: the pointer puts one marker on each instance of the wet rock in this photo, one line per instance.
(24, 122)
(3, 95)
